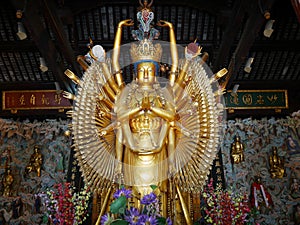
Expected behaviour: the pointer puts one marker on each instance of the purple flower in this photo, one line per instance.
(132, 216)
(123, 191)
(169, 221)
(106, 219)
(149, 199)
(145, 219)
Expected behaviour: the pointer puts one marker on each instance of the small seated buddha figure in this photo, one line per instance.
(7, 182)
(35, 162)
(276, 164)
(237, 150)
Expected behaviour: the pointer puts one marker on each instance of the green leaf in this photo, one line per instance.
(118, 205)
(120, 222)
(161, 221)
(45, 219)
(153, 187)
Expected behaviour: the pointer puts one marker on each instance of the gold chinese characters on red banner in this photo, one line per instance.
(34, 99)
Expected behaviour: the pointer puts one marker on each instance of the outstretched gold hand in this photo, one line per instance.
(127, 22)
(173, 49)
(164, 23)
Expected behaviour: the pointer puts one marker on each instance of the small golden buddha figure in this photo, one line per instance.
(7, 182)
(276, 164)
(237, 150)
(35, 162)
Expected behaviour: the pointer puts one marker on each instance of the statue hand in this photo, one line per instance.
(127, 22)
(163, 23)
(102, 133)
(146, 103)
(192, 50)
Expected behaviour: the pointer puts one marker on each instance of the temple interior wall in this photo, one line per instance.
(18, 139)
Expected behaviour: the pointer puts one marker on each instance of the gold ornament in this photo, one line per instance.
(145, 50)
(145, 133)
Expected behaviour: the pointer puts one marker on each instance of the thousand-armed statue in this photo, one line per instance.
(151, 131)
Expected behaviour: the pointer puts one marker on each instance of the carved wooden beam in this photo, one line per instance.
(214, 7)
(232, 27)
(51, 14)
(39, 34)
(251, 29)
(296, 5)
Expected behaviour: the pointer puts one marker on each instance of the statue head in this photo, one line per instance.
(8, 170)
(146, 73)
(274, 149)
(258, 179)
(146, 52)
(36, 148)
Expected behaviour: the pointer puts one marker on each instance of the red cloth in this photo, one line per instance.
(262, 191)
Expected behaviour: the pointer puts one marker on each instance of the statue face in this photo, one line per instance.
(146, 73)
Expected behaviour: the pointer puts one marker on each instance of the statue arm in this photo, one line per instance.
(182, 80)
(116, 51)
(168, 114)
(171, 149)
(128, 138)
(183, 130)
(162, 136)
(123, 108)
(119, 152)
(173, 49)
(123, 115)
(110, 79)
(165, 114)
(119, 145)
(108, 129)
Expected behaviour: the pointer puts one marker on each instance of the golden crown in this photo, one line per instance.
(145, 50)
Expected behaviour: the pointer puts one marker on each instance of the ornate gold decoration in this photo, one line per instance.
(237, 150)
(145, 50)
(144, 133)
(276, 162)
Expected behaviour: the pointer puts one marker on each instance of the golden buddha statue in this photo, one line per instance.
(7, 182)
(237, 150)
(145, 132)
(35, 162)
(276, 164)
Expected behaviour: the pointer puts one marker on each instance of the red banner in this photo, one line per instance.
(34, 99)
